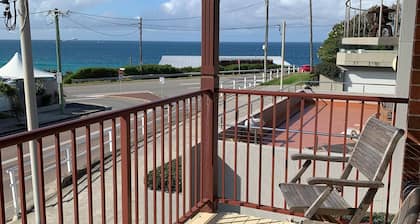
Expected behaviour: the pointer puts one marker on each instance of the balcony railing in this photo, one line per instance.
(124, 175)
(257, 133)
(365, 19)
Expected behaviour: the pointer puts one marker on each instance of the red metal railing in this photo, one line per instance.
(144, 144)
(259, 131)
(104, 182)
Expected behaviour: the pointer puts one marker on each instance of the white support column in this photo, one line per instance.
(255, 81)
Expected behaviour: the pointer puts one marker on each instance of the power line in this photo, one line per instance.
(100, 32)
(105, 17)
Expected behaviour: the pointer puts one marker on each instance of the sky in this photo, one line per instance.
(179, 20)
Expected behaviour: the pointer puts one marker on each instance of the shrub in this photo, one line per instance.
(88, 73)
(328, 69)
(166, 177)
(190, 69)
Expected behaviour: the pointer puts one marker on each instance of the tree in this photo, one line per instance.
(328, 51)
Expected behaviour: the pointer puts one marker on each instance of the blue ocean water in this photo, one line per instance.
(79, 54)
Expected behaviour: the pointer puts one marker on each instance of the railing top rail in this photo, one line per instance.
(70, 125)
(317, 95)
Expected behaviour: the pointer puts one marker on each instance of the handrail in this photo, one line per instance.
(318, 95)
(70, 125)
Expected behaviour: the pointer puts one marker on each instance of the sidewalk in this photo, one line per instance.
(73, 110)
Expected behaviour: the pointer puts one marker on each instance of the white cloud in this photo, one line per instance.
(41, 5)
(185, 7)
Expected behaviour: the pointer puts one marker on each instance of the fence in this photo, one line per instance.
(256, 144)
(172, 126)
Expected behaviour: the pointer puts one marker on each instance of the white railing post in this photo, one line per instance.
(271, 75)
(142, 125)
(245, 83)
(278, 73)
(263, 77)
(68, 159)
(234, 84)
(294, 68)
(110, 140)
(288, 70)
(13, 187)
(255, 81)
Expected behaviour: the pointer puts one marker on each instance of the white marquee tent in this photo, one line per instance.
(14, 70)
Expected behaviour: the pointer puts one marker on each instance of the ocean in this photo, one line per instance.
(79, 54)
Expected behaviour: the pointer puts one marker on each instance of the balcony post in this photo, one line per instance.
(126, 168)
(210, 82)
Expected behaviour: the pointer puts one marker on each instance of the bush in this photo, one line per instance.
(166, 177)
(191, 69)
(328, 69)
(89, 73)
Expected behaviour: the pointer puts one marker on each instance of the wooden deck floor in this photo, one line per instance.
(231, 218)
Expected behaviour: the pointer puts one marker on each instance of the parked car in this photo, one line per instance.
(305, 68)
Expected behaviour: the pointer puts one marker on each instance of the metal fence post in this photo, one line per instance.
(209, 115)
(234, 84)
(126, 171)
(255, 81)
(245, 83)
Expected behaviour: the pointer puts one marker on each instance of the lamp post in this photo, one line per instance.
(265, 47)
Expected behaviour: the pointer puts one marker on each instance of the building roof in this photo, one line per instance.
(14, 69)
(181, 61)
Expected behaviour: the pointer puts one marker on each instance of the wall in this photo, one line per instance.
(370, 80)
(411, 172)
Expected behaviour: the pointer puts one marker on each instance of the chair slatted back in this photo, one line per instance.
(374, 149)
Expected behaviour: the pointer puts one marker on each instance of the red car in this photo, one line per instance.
(305, 68)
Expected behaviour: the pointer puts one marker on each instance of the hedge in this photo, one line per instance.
(328, 69)
(166, 177)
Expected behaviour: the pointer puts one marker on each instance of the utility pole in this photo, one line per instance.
(283, 46)
(311, 43)
(141, 40)
(56, 14)
(267, 7)
(30, 99)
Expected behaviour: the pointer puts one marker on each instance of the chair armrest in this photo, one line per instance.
(345, 183)
(320, 158)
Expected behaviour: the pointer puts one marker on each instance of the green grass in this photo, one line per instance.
(292, 79)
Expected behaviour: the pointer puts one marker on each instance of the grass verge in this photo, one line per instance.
(292, 79)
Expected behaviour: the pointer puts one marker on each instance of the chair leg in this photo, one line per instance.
(318, 202)
(363, 206)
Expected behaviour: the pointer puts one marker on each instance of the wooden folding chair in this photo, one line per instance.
(320, 199)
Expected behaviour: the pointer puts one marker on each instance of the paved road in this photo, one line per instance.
(102, 93)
